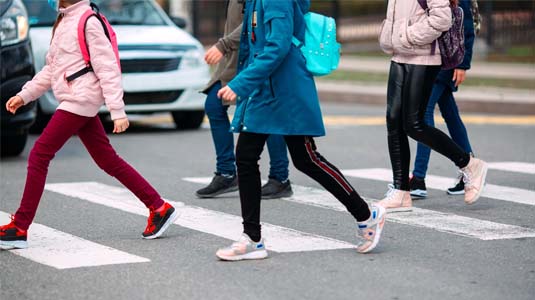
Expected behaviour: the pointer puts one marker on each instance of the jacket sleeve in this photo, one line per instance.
(106, 69)
(230, 42)
(39, 84)
(279, 27)
(469, 34)
(429, 28)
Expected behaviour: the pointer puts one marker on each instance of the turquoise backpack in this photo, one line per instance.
(320, 48)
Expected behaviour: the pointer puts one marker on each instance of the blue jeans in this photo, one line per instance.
(224, 140)
(442, 95)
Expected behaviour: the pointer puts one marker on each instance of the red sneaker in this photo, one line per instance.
(12, 237)
(158, 222)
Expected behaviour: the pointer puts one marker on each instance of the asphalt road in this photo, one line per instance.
(418, 257)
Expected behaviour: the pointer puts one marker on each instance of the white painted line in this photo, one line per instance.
(519, 167)
(443, 222)
(61, 250)
(492, 191)
(279, 239)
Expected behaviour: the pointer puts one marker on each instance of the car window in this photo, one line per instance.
(118, 12)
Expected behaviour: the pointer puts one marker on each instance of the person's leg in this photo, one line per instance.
(398, 144)
(278, 185)
(417, 90)
(278, 158)
(60, 128)
(308, 160)
(456, 128)
(220, 129)
(98, 145)
(423, 152)
(250, 245)
(248, 151)
(162, 214)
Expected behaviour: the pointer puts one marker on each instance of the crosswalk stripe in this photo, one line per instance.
(61, 250)
(443, 222)
(278, 239)
(492, 191)
(518, 167)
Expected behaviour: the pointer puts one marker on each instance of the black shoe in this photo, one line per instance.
(417, 186)
(219, 185)
(275, 189)
(458, 189)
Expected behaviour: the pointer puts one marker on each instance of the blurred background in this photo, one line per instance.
(507, 32)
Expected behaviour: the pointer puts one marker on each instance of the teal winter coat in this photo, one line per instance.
(276, 93)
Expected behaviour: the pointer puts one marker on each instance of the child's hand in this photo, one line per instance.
(14, 103)
(120, 125)
(213, 56)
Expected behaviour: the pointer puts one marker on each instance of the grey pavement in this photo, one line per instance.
(411, 262)
(469, 99)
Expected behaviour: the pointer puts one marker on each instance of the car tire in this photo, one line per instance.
(188, 119)
(13, 145)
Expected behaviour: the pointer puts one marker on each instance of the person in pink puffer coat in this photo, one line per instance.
(408, 34)
(79, 102)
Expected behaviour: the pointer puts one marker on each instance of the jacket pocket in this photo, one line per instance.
(400, 40)
(385, 37)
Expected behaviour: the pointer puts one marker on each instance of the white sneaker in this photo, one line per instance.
(474, 175)
(244, 248)
(369, 231)
(396, 200)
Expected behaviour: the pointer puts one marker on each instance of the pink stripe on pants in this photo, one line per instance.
(61, 127)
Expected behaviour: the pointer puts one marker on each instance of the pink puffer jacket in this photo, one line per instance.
(408, 30)
(86, 94)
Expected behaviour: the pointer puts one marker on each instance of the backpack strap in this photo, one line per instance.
(297, 43)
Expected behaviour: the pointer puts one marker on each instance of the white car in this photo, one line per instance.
(163, 67)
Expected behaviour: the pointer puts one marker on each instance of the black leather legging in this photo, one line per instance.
(409, 89)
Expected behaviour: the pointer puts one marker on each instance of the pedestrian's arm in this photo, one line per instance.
(437, 20)
(469, 34)
(40, 83)
(230, 42)
(106, 69)
(279, 27)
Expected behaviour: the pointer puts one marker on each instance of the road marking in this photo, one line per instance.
(61, 250)
(518, 167)
(492, 191)
(443, 222)
(278, 239)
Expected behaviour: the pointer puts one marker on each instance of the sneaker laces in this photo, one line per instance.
(459, 177)
(9, 225)
(466, 177)
(390, 192)
(149, 221)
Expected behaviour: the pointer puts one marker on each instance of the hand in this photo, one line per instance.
(14, 103)
(459, 75)
(213, 56)
(227, 94)
(120, 125)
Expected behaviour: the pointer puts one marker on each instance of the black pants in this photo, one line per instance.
(409, 89)
(307, 160)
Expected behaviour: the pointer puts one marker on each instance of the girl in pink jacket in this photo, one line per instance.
(408, 34)
(79, 101)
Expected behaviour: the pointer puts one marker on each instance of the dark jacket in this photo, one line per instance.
(229, 45)
(276, 93)
(445, 76)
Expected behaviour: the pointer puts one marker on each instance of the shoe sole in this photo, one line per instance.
(377, 234)
(285, 194)
(168, 223)
(455, 192)
(420, 194)
(228, 190)
(483, 183)
(398, 209)
(9, 245)
(261, 254)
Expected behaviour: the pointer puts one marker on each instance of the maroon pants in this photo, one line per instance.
(61, 127)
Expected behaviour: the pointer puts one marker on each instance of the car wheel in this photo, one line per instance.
(13, 145)
(41, 121)
(188, 119)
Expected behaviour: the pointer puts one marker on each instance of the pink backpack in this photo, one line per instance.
(108, 30)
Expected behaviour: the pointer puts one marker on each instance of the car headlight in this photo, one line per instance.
(192, 59)
(14, 24)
